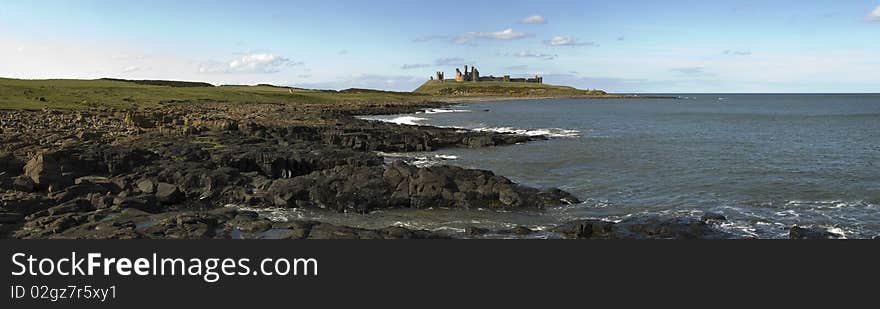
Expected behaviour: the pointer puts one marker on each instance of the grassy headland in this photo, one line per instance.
(484, 89)
(130, 94)
(84, 94)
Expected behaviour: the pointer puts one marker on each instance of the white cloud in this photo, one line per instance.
(567, 41)
(506, 34)
(249, 63)
(130, 69)
(738, 52)
(692, 71)
(534, 19)
(875, 14)
(429, 38)
(528, 54)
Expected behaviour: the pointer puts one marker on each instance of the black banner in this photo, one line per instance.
(492, 272)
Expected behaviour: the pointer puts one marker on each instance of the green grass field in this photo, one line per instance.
(82, 94)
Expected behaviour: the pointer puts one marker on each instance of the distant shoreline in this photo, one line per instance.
(465, 99)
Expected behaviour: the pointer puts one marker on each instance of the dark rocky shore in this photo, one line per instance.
(176, 171)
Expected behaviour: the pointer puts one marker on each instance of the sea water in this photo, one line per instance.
(765, 161)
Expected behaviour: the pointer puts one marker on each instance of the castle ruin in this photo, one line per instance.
(473, 75)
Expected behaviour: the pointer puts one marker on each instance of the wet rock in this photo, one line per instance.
(47, 226)
(797, 232)
(295, 229)
(45, 171)
(288, 162)
(330, 231)
(476, 231)
(78, 191)
(655, 227)
(363, 189)
(186, 225)
(73, 206)
(343, 188)
(144, 202)
(713, 217)
(644, 227)
(23, 183)
(250, 223)
(396, 232)
(587, 229)
(25, 203)
(146, 186)
(519, 230)
(101, 201)
(169, 194)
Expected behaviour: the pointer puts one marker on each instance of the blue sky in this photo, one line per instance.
(620, 46)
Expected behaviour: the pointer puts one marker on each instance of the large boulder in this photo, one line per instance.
(797, 232)
(344, 188)
(641, 227)
(45, 171)
(147, 186)
(145, 202)
(587, 229)
(362, 189)
(23, 183)
(276, 161)
(168, 194)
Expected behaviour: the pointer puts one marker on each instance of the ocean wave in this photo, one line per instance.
(444, 110)
(418, 160)
(405, 120)
(416, 121)
(427, 161)
(549, 132)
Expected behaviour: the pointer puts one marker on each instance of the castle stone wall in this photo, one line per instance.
(473, 75)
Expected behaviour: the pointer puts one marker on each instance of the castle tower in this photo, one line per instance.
(458, 76)
(475, 75)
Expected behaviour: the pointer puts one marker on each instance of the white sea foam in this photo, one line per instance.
(445, 110)
(549, 132)
(838, 231)
(446, 157)
(419, 160)
(415, 121)
(406, 120)
(428, 161)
